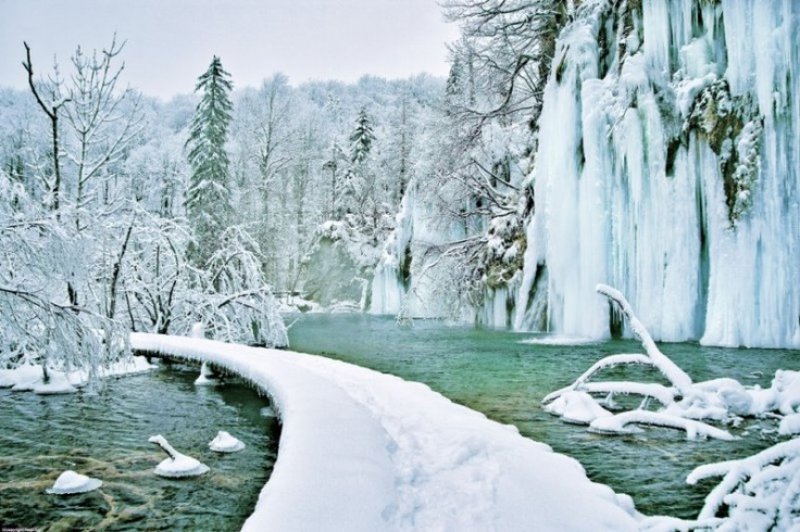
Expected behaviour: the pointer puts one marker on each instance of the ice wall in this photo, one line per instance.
(669, 167)
(405, 282)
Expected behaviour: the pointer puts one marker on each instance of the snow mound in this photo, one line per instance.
(206, 377)
(225, 443)
(362, 450)
(69, 482)
(577, 407)
(29, 377)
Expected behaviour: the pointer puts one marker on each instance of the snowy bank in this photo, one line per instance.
(362, 450)
(30, 377)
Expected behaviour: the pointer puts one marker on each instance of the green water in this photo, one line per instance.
(104, 434)
(491, 371)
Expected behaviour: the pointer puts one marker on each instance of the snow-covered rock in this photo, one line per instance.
(30, 377)
(176, 465)
(223, 442)
(69, 482)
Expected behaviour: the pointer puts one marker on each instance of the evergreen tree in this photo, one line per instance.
(208, 198)
(362, 138)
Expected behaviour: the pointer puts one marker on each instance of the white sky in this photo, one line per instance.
(171, 42)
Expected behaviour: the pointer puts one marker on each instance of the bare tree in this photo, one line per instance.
(51, 109)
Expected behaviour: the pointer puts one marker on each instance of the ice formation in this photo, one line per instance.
(223, 442)
(668, 165)
(177, 465)
(669, 168)
(404, 283)
(69, 482)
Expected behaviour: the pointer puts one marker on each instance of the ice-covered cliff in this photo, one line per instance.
(668, 165)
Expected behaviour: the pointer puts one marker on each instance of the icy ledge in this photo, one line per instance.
(362, 450)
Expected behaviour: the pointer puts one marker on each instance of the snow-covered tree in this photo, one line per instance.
(208, 197)
(362, 138)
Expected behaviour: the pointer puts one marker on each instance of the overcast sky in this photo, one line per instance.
(171, 42)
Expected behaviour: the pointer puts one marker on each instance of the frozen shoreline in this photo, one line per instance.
(362, 450)
(29, 377)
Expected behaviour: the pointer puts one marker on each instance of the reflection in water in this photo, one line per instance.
(104, 435)
(491, 371)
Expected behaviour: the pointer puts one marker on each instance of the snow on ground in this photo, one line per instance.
(29, 377)
(362, 450)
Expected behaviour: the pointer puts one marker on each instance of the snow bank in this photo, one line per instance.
(362, 450)
(29, 377)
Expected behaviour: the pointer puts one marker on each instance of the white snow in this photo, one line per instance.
(761, 492)
(223, 442)
(206, 377)
(577, 407)
(70, 482)
(29, 377)
(790, 425)
(361, 450)
(176, 465)
(618, 424)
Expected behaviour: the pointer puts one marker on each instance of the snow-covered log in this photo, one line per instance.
(661, 393)
(667, 367)
(577, 407)
(617, 424)
(604, 363)
(761, 492)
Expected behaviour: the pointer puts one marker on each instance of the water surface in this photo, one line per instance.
(492, 372)
(104, 434)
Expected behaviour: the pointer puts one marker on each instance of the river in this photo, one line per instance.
(103, 434)
(493, 372)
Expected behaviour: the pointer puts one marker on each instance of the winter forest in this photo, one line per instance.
(590, 178)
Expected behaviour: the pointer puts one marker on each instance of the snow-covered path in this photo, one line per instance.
(362, 450)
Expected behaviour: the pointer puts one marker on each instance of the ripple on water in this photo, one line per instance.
(104, 435)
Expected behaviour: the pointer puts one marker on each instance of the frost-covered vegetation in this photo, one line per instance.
(119, 212)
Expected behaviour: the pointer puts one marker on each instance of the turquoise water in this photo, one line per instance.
(491, 371)
(104, 435)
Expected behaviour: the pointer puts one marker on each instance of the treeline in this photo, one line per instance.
(121, 212)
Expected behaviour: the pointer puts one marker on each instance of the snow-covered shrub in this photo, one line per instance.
(231, 297)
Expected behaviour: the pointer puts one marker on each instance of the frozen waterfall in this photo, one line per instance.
(670, 167)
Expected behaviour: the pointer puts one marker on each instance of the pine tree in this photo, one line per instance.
(208, 198)
(362, 138)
